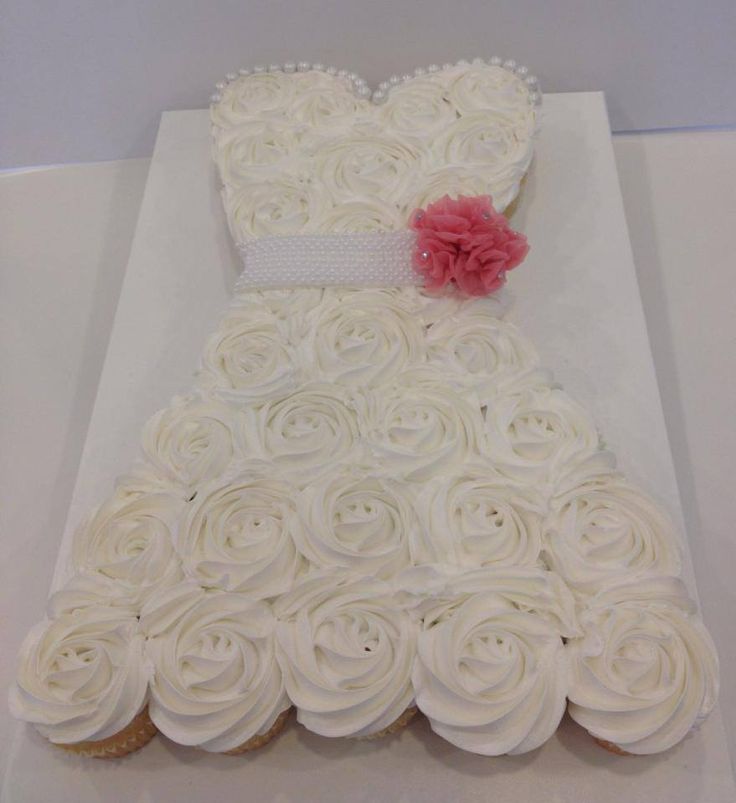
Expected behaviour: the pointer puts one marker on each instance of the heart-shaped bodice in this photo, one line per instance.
(303, 150)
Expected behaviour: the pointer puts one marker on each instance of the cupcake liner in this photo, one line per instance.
(611, 747)
(137, 734)
(397, 725)
(259, 740)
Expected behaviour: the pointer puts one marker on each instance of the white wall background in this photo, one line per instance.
(86, 80)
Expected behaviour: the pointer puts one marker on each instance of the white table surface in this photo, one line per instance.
(64, 239)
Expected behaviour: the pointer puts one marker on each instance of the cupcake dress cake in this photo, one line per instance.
(374, 503)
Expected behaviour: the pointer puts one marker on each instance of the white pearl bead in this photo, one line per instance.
(433, 68)
(462, 63)
(495, 61)
(447, 66)
(274, 68)
(509, 64)
(353, 76)
(243, 71)
(394, 79)
(531, 80)
(215, 98)
(406, 77)
(231, 76)
(363, 92)
(289, 66)
(522, 71)
(259, 68)
(378, 96)
(220, 85)
(536, 98)
(331, 70)
(384, 85)
(420, 71)
(342, 73)
(303, 66)
(319, 67)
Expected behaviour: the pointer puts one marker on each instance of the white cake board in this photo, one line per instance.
(576, 296)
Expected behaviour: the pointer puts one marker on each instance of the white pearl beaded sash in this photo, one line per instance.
(370, 259)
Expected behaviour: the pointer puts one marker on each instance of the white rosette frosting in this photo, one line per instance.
(358, 522)
(418, 108)
(491, 674)
(604, 530)
(417, 431)
(306, 432)
(82, 677)
(291, 310)
(483, 88)
(535, 431)
(473, 519)
(346, 649)
(216, 682)
(645, 672)
(490, 139)
(325, 108)
(129, 542)
(477, 347)
(241, 100)
(249, 359)
(366, 338)
(191, 441)
(243, 152)
(367, 164)
(239, 535)
(277, 204)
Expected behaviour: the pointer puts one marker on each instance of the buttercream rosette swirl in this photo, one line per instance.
(418, 107)
(368, 163)
(366, 338)
(269, 93)
(491, 673)
(474, 519)
(346, 648)
(191, 441)
(82, 677)
(277, 204)
(605, 530)
(415, 432)
(128, 543)
(489, 88)
(477, 347)
(239, 535)
(357, 521)
(306, 431)
(242, 152)
(644, 673)
(249, 359)
(535, 431)
(216, 683)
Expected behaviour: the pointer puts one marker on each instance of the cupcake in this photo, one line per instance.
(83, 681)
(216, 684)
(644, 674)
(346, 647)
(491, 670)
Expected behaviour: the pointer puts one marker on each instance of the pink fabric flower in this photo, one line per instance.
(465, 241)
